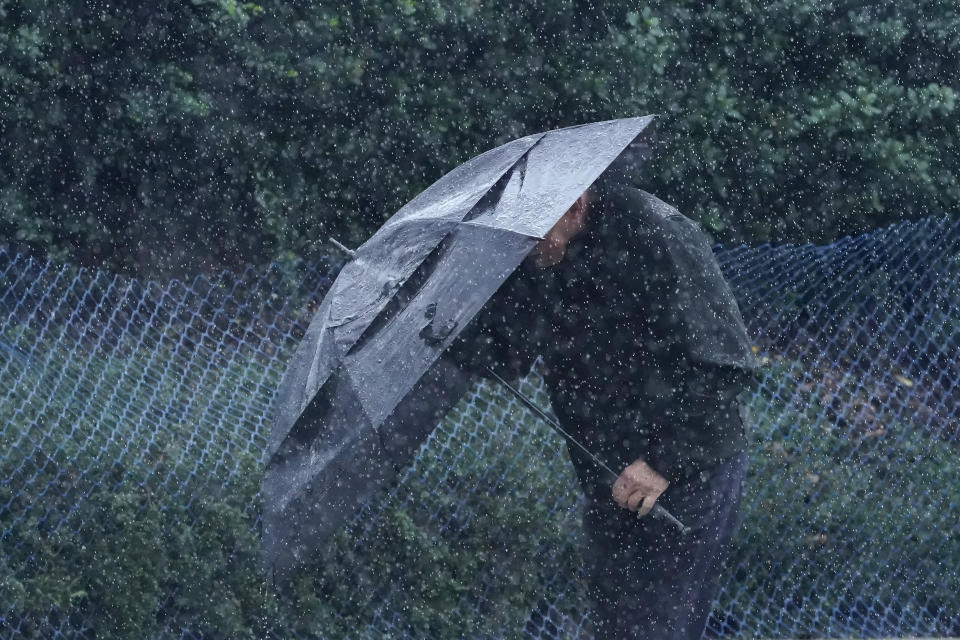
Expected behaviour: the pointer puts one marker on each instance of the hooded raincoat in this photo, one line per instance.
(644, 348)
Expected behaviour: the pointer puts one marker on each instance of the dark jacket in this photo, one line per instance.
(644, 348)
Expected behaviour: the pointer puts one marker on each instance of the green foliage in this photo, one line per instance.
(462, 559)
(174, 135)
(108, 521)
(470, 540)
(847, 528)
(136, 532)
(139, 565)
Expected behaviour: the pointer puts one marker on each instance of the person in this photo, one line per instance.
(645, 355)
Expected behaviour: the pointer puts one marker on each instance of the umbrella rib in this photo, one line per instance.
(466, 219)
(521, 159)
(345, 372)
(456, 223)
(470, 223)
(521, 163)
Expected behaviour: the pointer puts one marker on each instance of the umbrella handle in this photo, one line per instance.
(657, 511)
(660, 512)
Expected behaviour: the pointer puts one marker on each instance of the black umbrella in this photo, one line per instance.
(366, 384)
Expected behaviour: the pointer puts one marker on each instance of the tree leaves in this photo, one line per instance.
(174, 137)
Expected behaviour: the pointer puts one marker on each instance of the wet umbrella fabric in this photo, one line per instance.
(366, 383)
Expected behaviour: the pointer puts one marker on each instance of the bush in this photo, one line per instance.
(481, 530)
(169, 137)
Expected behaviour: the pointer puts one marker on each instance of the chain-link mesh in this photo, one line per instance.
(134, 418)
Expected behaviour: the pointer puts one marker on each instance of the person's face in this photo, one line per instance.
(550, 251)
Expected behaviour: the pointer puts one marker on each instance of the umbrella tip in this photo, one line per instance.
(350, 252)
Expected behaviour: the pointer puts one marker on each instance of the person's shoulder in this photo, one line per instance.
(644, 210)
(645, 226)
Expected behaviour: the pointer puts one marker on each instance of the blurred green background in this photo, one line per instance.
(170, 137)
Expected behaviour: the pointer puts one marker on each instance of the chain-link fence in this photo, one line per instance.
(134, 418)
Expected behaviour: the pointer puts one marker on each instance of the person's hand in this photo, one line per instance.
(638, 488)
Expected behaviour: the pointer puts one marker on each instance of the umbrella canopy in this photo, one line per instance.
(366, 383)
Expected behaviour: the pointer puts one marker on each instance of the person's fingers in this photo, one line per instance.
(635, 500)
(646, 507)
(621, 492)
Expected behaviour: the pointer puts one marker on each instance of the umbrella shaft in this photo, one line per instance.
(528, 403)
